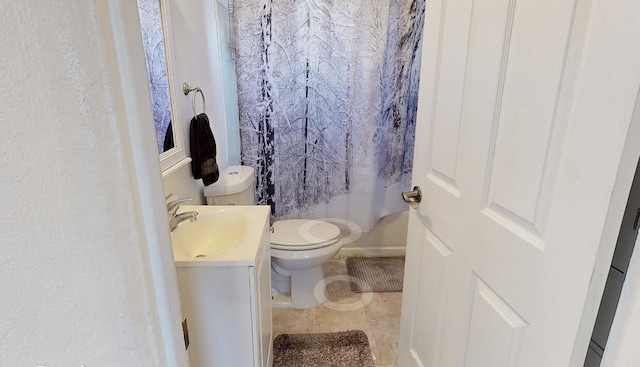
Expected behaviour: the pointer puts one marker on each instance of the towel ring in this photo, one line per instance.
(186, 89)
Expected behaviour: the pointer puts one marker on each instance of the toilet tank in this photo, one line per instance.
(235, 187)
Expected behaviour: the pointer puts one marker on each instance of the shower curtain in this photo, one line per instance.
(327, 97)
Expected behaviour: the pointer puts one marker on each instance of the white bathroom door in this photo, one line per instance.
(524, 111)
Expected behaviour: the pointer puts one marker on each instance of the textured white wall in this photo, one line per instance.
(74, 285)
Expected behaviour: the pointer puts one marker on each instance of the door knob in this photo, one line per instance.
(413, 197)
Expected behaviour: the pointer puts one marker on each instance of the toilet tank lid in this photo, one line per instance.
(233, 179)
(297, 232)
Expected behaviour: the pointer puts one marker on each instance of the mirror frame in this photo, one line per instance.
(177, 154)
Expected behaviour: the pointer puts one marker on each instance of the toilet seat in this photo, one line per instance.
(303, 234)
(303, 248)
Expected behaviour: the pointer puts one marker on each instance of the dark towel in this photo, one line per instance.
(203, 150)
(168, 138)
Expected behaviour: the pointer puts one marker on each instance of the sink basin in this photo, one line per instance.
(220, 233)
(213, 233)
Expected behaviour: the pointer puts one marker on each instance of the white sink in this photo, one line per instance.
(220, 235)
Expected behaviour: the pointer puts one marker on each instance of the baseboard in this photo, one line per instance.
(372, 251)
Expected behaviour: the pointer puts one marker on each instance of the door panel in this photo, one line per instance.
(525, 113)
(495, 331)
(444, 151)
(428, 321)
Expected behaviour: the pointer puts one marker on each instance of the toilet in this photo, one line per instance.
(299, 247)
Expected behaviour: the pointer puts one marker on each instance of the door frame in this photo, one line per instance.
(147, 184)
(119, 20)
(622, 187)
(621, 349)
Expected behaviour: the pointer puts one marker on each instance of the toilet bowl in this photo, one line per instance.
(299, 247)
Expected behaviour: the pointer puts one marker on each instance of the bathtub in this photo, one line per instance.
(388, 238)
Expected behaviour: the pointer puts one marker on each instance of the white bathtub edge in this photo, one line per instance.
(372, 251)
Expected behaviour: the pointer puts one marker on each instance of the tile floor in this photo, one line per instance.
(377, 314)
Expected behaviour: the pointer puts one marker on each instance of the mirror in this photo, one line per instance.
(150, 16)
(156, 41)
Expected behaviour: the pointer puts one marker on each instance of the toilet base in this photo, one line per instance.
(302, 295)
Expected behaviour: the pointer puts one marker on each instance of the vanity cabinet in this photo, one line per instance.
(228, 309)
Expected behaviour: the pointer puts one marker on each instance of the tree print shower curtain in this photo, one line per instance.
(327, 95)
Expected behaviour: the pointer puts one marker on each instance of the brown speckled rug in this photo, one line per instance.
(376, 274)
(340, 349)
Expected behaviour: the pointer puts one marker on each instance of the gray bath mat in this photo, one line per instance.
(341, 349)
(376, 274)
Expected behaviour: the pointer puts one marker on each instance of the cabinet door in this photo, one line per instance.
(264, 292)
(261, 308)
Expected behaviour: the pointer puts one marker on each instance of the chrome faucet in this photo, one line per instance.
(179, 218)
(172, 206)
(175, 219)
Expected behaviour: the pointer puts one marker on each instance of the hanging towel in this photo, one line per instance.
(168, 138)
(203, 150)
